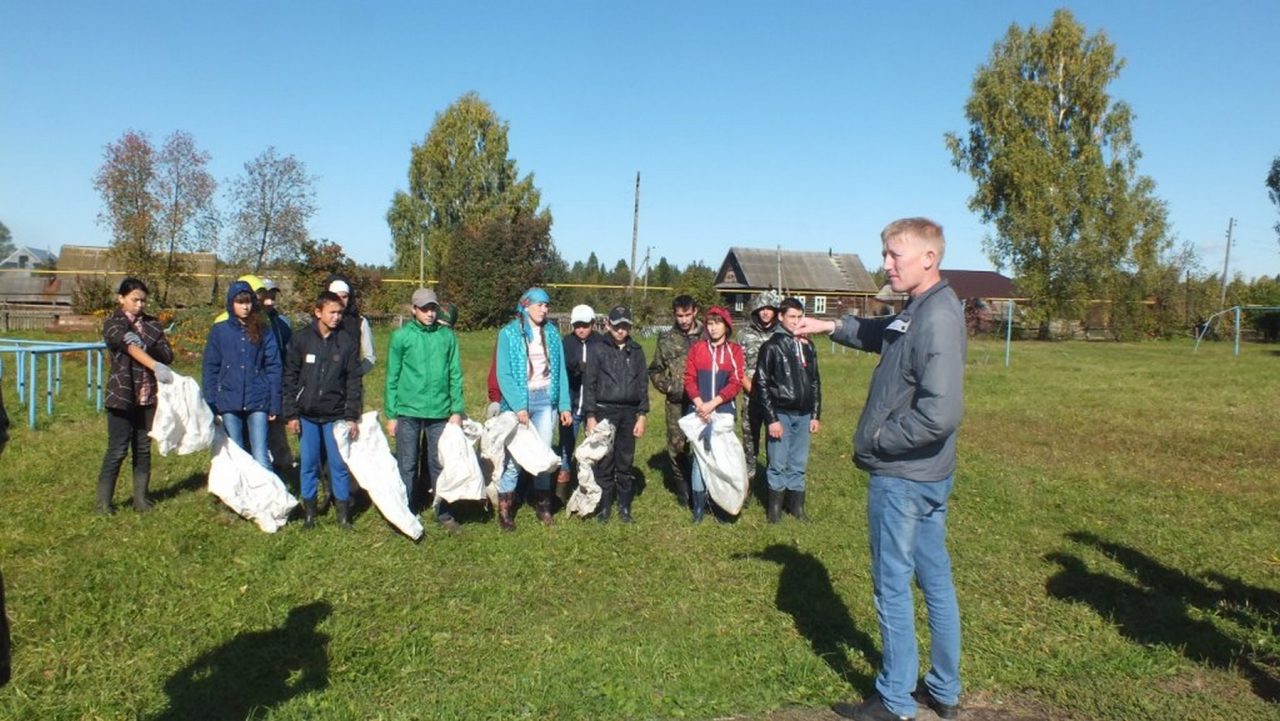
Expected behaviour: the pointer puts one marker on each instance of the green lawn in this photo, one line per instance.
(1114, 531)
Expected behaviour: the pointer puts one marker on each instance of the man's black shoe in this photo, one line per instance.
(925, 697)
(871, 709)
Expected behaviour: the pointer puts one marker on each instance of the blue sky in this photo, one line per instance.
(808, 125)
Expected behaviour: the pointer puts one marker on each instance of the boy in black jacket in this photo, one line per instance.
(789, 398)
(322, 386)
(616, 387)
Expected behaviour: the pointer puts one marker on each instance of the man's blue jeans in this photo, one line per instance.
(414, 438)
(543, 417)
(318, 443)
(789, 455)
(907, 524)
(234, 423)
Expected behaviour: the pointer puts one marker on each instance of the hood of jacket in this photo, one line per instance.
(237, 288)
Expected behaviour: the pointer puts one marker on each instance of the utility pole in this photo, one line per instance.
(635, 232)
(779, 261)
(1222, 300)
(647, 250)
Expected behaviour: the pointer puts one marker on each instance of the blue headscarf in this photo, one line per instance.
(531, 296)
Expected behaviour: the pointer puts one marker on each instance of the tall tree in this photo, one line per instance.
(505, 254)
(126, 182)
(1273, 188)
(459, 175)
(271, 204)
(6, 241)
(1055, 164)
(186, 217)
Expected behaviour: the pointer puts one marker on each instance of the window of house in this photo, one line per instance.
(803, 301)
(737, 303)
(819, 304)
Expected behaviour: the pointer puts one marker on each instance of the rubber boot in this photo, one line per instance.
(543, 506)
(343, 512)
(328, 490)
(795, 505)
(699, 505)
(604, 509)
(564, 487)
(106, 489)
(308, 513)
(507, 511)
(773, 512)
(624, 507)
(140, 483)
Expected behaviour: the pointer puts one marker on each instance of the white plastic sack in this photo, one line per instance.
(594, 446)
(183, 421)
(370, 461)
(531, 452)
(498, 431)
(246, 487)
(460, 477)
(721, 461)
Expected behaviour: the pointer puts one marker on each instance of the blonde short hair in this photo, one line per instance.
(922, 229)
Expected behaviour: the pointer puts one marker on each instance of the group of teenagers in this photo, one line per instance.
(257, 376)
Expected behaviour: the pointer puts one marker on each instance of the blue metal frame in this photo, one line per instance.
(27, 360)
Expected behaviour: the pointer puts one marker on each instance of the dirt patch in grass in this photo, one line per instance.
(977, 707)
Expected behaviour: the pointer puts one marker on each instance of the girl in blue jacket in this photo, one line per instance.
(243, 372)
(535, 386)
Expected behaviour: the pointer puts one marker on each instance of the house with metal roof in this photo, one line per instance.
(828, 283)
(25, 258)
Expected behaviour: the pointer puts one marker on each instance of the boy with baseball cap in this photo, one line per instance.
(615, 387)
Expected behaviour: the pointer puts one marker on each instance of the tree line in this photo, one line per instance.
(1051, 153)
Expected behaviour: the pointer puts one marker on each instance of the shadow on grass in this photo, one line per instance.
(191, 483)
(254, 671)
(806, 593)
(660, 463)
(1157, 610)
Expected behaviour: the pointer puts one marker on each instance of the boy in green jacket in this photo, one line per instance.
(424, 391)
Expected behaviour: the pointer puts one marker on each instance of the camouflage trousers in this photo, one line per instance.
(752, 423)
(678, 451)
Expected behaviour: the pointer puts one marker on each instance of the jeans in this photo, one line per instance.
(543, 417)
(907, 525)
(234, 422)
(569, 441)
(317, 443)
(126, 430)
(414, 437)
(789, 455)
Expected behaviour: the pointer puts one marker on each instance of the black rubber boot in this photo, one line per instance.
(106, 489)
(624, 507)
(773, 513)
(699, 505)
(308, 513)
(140, 483)
(343, 512)
(604, 509)
(542, 503)
(795, 505)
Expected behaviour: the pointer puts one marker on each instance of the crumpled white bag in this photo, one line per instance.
(721, 460)
(460, 477)
(183, 421)
(246, 487)
(505, 434)
(594, 446)
(369, 459)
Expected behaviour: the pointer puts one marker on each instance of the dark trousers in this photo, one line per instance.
(752, 423)
(126, 431)
(614, 470)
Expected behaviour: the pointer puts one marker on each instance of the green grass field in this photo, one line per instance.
(1114, 532)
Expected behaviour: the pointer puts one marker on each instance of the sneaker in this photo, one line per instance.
(925, 697)
(871, 709)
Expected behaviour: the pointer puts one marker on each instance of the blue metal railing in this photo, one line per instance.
(26, 361)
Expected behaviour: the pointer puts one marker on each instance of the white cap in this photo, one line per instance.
(339, 286)
(582, 314)
(268, 284)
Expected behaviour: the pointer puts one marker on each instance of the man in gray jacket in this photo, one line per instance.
(906, 441)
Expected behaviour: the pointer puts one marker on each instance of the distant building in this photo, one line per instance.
(86, 261)
(828, 283)
(24, 258)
